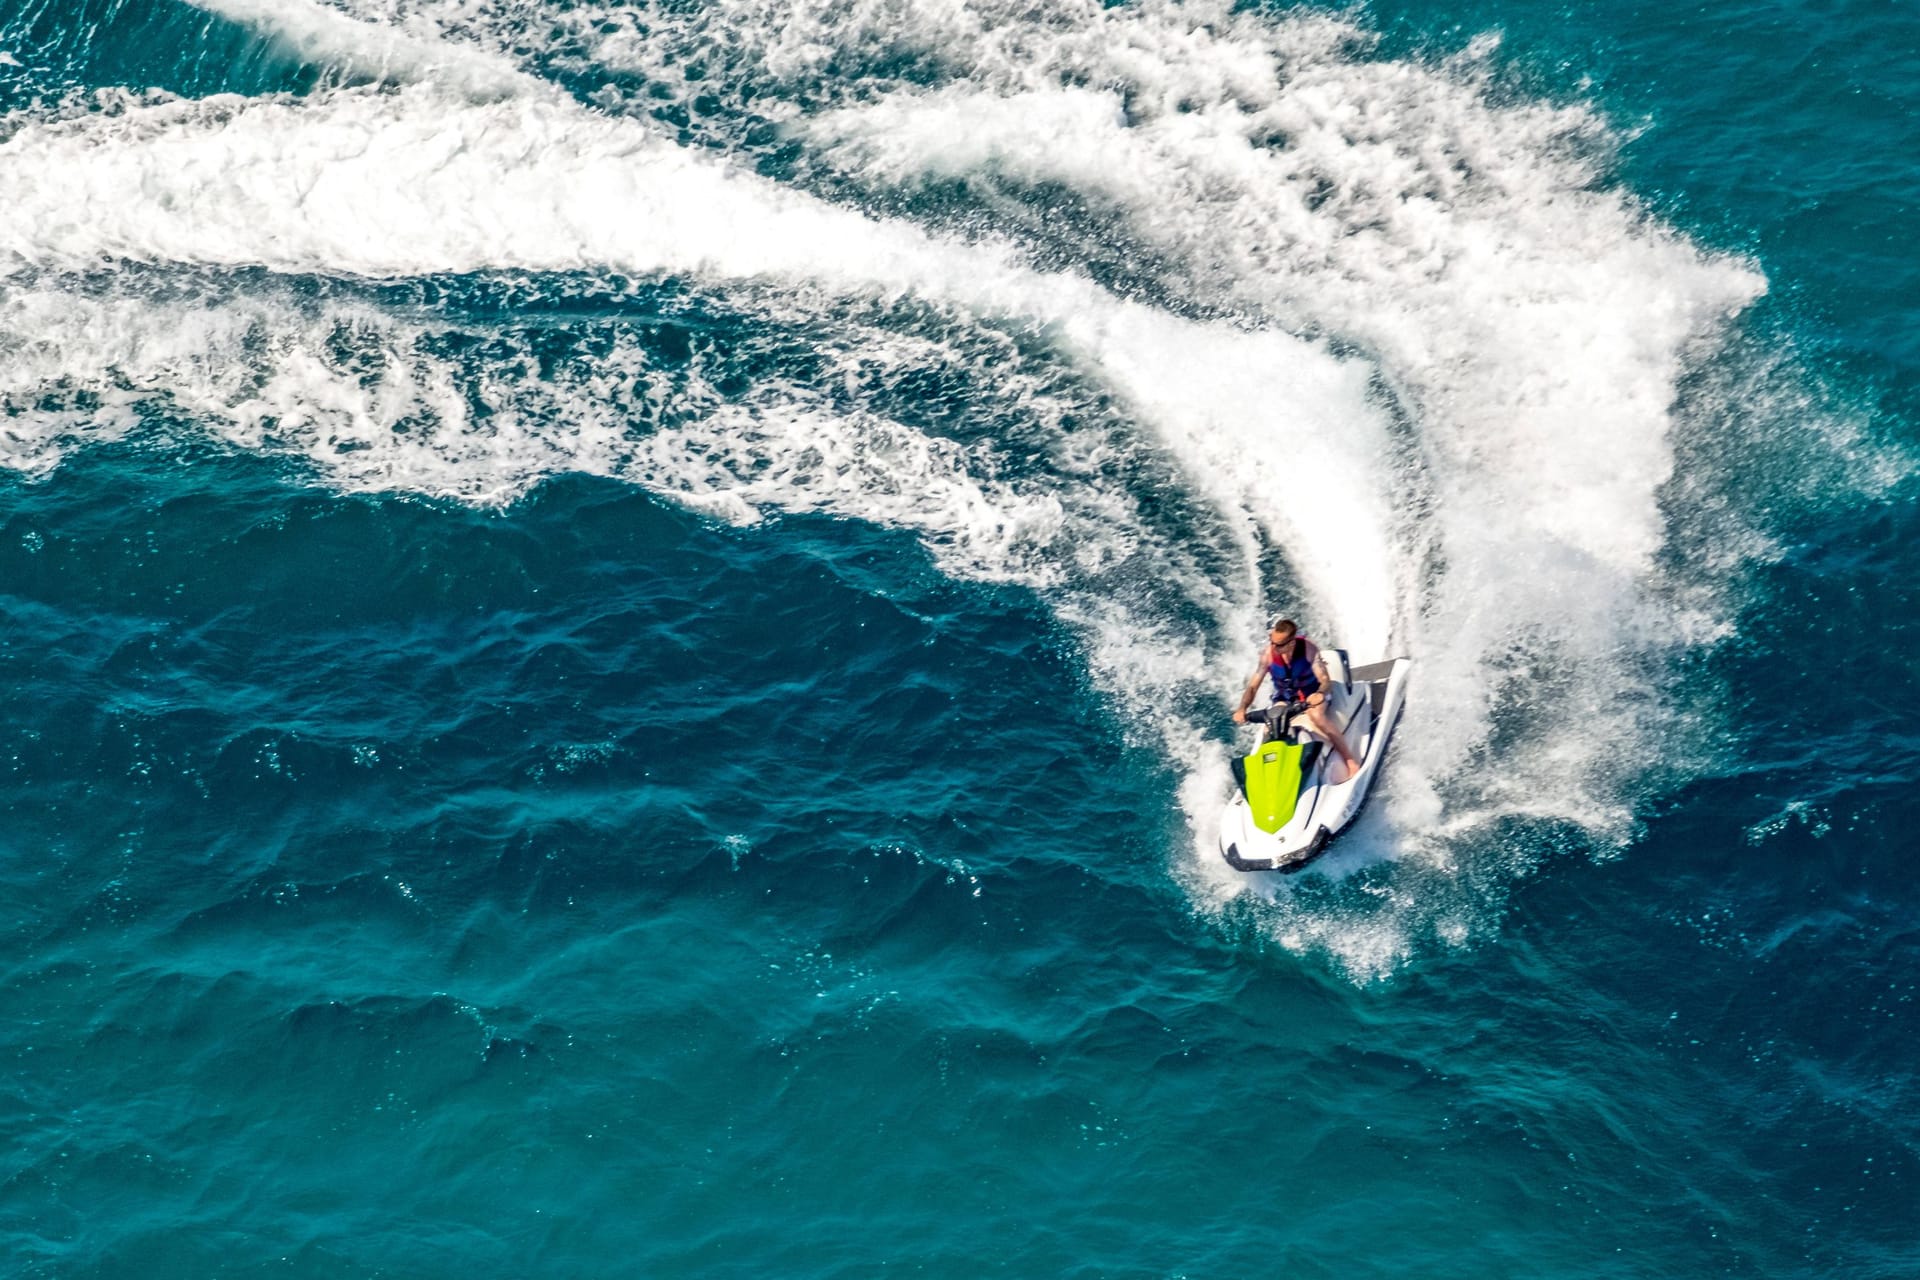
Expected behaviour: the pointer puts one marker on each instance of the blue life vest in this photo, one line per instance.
(1293, 681)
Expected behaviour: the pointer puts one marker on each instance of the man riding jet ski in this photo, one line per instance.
(1299, 675)
(1294, 794)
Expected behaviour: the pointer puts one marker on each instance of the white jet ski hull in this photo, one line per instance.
(1365, 702)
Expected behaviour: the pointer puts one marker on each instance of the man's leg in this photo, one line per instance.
(1324, 726)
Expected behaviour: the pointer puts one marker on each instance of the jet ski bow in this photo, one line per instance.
(1287, 806)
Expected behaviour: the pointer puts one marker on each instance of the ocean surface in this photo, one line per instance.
(618, 625)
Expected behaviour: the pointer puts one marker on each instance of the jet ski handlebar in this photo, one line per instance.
(1279, 716)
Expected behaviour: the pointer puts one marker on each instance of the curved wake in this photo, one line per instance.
(1417, 367)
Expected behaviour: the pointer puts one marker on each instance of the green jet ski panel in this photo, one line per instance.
(1273, 783)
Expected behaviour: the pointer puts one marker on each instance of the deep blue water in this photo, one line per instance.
(569, 715)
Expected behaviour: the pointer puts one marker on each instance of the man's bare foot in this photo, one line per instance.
(1353, 769)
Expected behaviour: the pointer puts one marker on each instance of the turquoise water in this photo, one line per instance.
(620, 625)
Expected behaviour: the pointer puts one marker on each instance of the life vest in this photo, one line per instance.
(1293, 681)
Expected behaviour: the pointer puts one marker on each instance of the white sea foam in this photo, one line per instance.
(372, 403)
(1502, 520)
(264, 373)
(740, 463)
(1533, 323)
(358, 51)
(1534, 326)
(411, 182)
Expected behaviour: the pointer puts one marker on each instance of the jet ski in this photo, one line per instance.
(1287, 805)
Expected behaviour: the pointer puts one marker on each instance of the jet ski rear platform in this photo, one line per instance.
(1285, 810)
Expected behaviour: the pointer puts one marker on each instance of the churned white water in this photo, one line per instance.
(1397, 335)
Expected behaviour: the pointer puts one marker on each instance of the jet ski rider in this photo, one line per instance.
(1299, 675)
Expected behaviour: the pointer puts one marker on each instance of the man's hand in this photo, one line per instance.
(1239, 715)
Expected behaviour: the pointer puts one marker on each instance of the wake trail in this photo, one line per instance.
(1470, 457)
(409, 183)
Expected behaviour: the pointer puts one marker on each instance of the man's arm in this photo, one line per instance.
(1320, 674)
(1246, 697)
